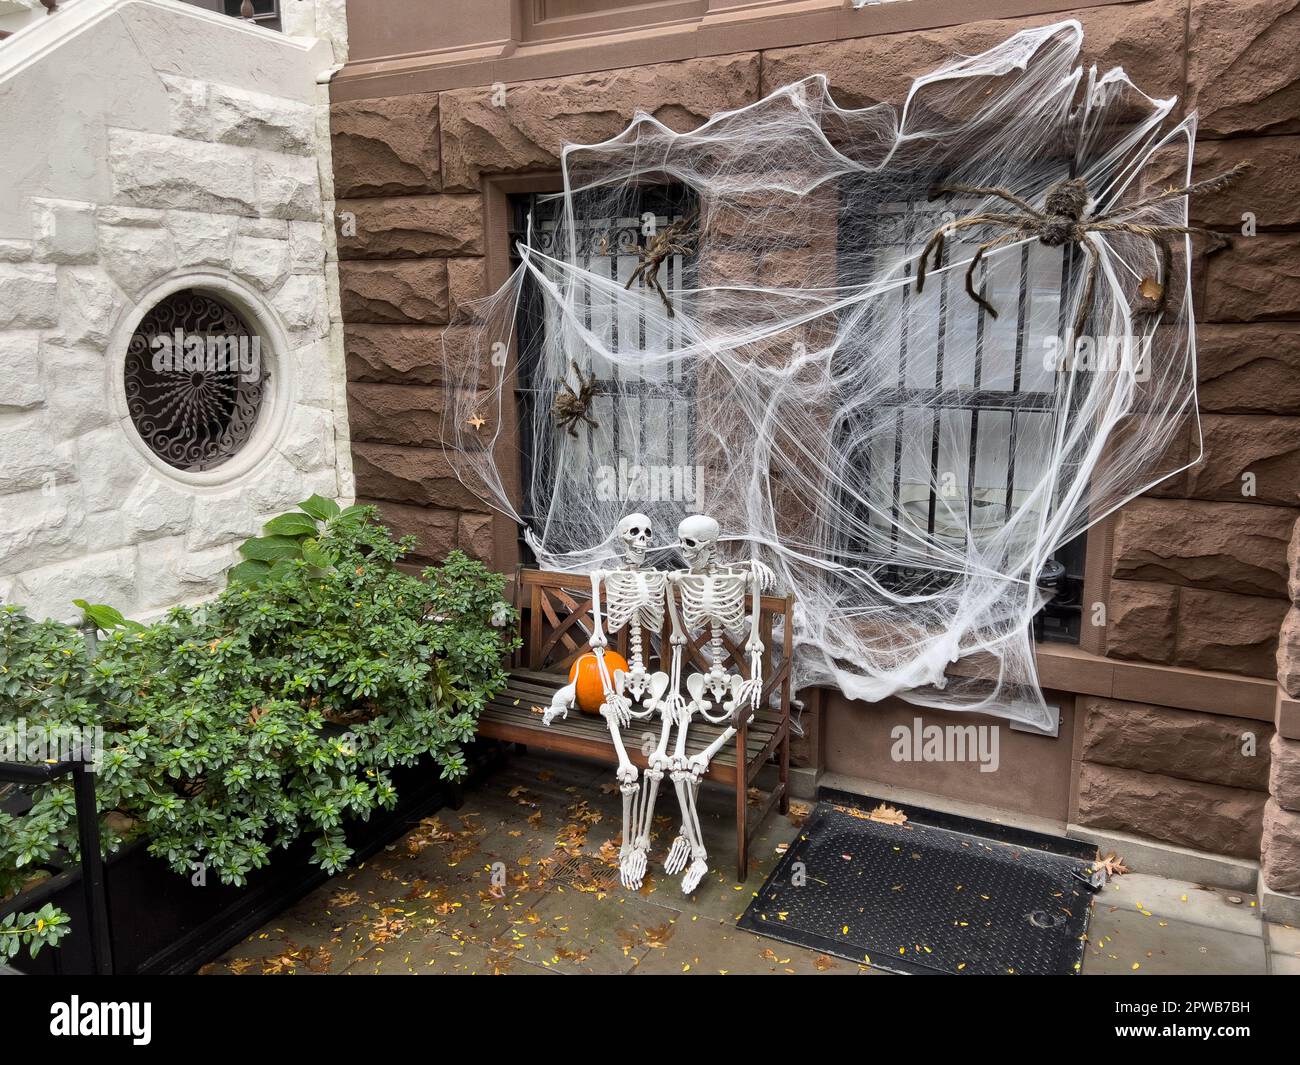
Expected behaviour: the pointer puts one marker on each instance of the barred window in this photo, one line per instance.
(950, 450)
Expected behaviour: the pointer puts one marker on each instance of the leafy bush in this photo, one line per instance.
(276, 710)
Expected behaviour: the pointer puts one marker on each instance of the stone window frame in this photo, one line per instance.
(277, 405)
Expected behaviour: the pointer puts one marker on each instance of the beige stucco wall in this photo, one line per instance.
(152, 146)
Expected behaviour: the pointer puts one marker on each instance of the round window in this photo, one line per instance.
(195, 380)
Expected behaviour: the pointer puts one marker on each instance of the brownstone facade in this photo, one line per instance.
(1168, 706)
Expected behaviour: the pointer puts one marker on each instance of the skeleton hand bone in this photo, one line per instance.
(745, 698)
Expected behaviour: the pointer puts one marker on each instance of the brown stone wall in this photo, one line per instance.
(1198, 577)
(1191, 779)
(1280, 852)
(1199, 567)
(409, 173)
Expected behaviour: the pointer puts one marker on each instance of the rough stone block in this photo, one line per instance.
(29, 296)
(136, 256)
(1279, 855)
(20, 372)
(411, 227)
(202, 239)
(1249, 369)
(1231, 547)
(1145, 39)
(394, 292)
(466, 284)
(1255, 280)
(539, 117)
(1141, 621)
(1232, 633)
(412, 475)
(386, 146)
(263, 262)
(306, 247)
(89, 304)
(1243, 68)
(154, 170)
(288, 186)
(1248, 458)
(301, 302)
(1230, 751)
(104, 577)
(1205, 817)
(64, 231)
(1288, 653)
(1284, 773)
(475, 536)
(434, 529)
(407, 354)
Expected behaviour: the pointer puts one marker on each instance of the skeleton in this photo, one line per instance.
(633, 596)
(713, 599)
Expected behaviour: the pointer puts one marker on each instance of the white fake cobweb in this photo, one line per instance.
(903, 461)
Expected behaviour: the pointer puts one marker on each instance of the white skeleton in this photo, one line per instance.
(633, 596)
(713, 599)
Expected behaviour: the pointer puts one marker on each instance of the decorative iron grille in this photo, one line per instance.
(195, 381)
(1002, 409)
(624, 398)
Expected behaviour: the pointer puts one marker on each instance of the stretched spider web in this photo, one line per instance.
(904, 461)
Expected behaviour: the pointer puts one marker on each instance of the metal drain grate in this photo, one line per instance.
(585, 872)
(924, 898)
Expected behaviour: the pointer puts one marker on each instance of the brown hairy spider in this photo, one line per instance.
(1064, 219)
(570, 406)
(672, 240)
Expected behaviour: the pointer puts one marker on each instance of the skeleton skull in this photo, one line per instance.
(635, 531)
(698, 534)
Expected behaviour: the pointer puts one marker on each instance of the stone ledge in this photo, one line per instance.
(1169, 860)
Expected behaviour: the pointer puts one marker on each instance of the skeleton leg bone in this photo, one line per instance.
(680, 850)
(631, 866)
(654, 771)
(697, 765)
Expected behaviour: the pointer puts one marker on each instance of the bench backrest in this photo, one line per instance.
(555, 609)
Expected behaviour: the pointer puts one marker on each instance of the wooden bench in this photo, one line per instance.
(555, 610)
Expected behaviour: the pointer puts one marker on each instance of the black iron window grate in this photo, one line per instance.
(981, 424)
(195, 377)
(641, 421)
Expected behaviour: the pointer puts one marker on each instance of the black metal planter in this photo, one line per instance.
(161, 923)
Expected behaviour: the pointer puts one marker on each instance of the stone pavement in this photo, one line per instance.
(543, 825)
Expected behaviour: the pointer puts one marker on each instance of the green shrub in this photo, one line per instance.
(276, 710)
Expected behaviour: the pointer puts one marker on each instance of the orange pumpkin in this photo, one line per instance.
(585, 675)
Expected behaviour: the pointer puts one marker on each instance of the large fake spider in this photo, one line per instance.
(570, 406)
(670, 241)
(1064, 219)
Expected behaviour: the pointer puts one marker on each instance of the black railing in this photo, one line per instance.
(93, 884)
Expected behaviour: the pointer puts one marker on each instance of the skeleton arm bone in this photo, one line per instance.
(599, 642)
